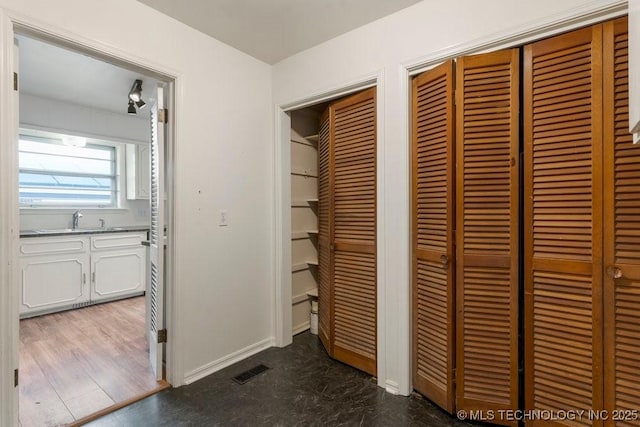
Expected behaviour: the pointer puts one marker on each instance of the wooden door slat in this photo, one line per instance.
(621, 220)
(353, 225)
(487, 177)
(433, 223)
(563, 222)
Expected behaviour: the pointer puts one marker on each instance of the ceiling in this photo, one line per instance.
(272, 30)
(53, 72)
(269, 30)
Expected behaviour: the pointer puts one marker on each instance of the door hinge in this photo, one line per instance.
(163, 115)
(15, 81)
(162, 336)
(454, 375)
(15, 378)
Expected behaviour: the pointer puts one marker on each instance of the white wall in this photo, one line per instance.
(386, 47)
(63, 117)
(224, 161)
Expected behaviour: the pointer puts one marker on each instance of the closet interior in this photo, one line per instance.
(526, 237)
(304, 214)
(333, 221)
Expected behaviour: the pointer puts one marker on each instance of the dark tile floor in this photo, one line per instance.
(304, 387)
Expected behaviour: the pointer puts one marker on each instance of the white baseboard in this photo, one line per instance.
(228, 360)
(392, 387)
(301, 327)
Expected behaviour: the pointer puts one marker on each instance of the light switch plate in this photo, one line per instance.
(223, 218)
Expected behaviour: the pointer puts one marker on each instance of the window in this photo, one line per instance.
(53, 174)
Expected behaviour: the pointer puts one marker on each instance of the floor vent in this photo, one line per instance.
(247, 375)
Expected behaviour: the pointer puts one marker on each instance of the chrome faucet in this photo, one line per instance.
(76, 218)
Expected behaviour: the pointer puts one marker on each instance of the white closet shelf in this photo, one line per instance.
(312, 293)
(306, 175)
(303, 266)
(312, 138)
(297, 299)
(303, 203)
(304, 141)
(296, 235)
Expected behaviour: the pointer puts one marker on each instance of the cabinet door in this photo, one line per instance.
(621, 230)
(53, 281)
(433, 226)
(563, 222)
(138, 171)
(117, 273)
(143, 177)
(487, 211)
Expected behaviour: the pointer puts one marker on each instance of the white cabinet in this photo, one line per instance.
(118, 266)
(59, 273)
(138, 164)
(54, 274)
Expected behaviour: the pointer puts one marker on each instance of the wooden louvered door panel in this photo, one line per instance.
(433, 244)
(621, 233)
(563, 223)
(353, 140)
(325, 237)
(487, 211)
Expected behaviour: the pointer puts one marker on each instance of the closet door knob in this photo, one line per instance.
(614, 272)
(444, 260)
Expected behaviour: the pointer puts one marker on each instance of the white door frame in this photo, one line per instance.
(589, 13)
(282, 209)
(9, 210)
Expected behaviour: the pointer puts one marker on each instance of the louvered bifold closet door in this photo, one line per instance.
(433, 244)
(325, 181)
(487, 171)
(621, 232)
(353, 136)
(563, 223)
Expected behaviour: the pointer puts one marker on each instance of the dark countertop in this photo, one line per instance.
(69, 232)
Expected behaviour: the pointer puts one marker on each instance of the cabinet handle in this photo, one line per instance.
(84, 278)
(93, 277)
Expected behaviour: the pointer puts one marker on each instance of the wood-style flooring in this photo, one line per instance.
(78, 362)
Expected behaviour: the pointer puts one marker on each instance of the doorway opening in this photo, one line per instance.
(333, 226)
(95, 203)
